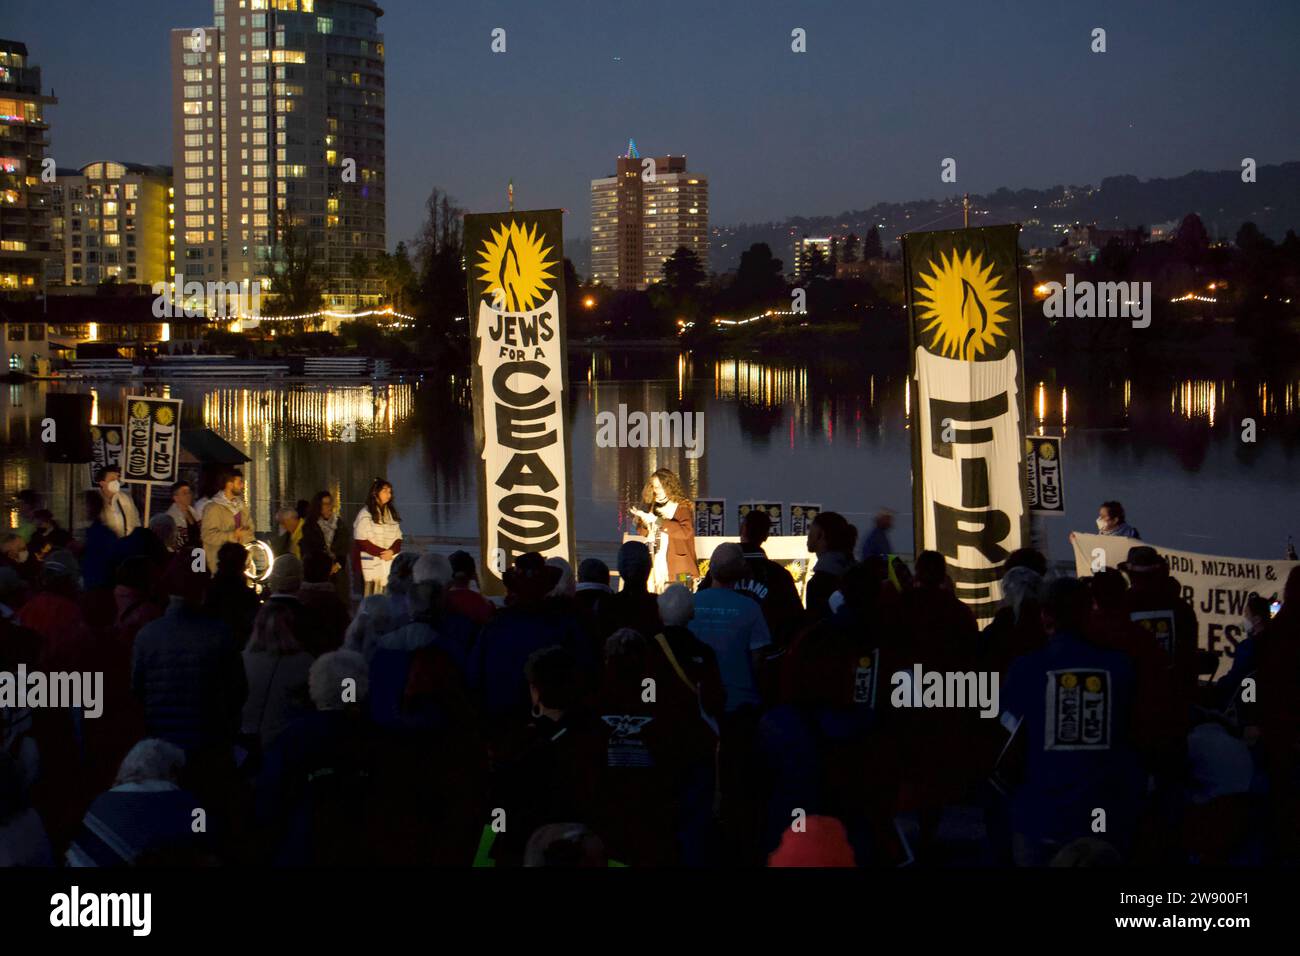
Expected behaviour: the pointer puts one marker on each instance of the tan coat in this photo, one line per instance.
(219, 527)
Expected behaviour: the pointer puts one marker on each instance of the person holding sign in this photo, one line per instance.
(120, 514)
(226, 517)
(376, 538)
(670, 527)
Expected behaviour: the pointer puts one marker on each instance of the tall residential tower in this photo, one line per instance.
(24, 191)
(278, 122)
(642, 214)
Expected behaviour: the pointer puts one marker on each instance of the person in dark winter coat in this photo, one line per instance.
(187, 672)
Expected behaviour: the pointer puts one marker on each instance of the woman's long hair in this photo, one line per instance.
(372, 502)
(273, 630)
(313, 509)
(672, 487)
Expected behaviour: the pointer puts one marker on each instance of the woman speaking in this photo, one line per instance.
(669, 526)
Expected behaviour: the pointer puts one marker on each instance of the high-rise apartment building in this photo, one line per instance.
(642, 214)
(805, 247)
(278, 124)
(110, 222)
(24, 194)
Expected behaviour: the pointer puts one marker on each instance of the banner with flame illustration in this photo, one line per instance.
(967, 382)
(515, 266)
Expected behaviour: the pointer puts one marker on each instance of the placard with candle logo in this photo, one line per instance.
(802, 517)
(967, 387)
(105, 449)
(1043, 475)
(710, 517)
(515, 266)
(152, 439)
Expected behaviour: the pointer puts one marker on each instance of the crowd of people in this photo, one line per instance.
(357, 702)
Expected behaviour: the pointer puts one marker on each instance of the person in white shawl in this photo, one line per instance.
(376, 538)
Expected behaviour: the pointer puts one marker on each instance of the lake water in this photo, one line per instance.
(833, 433)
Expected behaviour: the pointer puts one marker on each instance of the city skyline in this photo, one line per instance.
(799, 134)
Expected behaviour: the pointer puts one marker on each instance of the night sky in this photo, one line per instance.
(884, 93)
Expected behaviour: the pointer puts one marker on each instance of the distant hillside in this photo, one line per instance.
(1221, 199)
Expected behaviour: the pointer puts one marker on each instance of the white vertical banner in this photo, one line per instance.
(517, 306)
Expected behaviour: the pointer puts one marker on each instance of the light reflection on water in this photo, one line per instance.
(1171, 450)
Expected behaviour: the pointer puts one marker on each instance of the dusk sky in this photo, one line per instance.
(884, 93)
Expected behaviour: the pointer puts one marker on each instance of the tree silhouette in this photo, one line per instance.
(1191, 241)
(849, 251)
(439, 253)
(296, 286)
(871, 248)
(683, 273)
(759, 279)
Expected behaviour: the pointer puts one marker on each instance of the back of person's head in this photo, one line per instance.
(1259, 607)
(60, 572)
(286, 575)
(755, 527)
(373, 619)
(135, 572)
(182, 582)
(1021, 584)
(676, 605)
(274, 630)
(1067, 604)
(425, 598)
(400, 571)
(931, 569)
(823, 842)
(727, 563)
(1108, 590)
(433, 567)
(634, 563)
(626, 659)
(565, 586)
(163, 527)
(1030, 558)
(316, 567)
(553, 671)
(593, 571)
(463, 568)
(232, 560)
(565, 844)
(284, 514)
(338, 680)
(839, 534)
(149, 761)
(1115, 510)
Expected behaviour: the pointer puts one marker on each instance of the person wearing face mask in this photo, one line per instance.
(671, 520)
(1111, 521)
(120, 514)
(226, 518)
